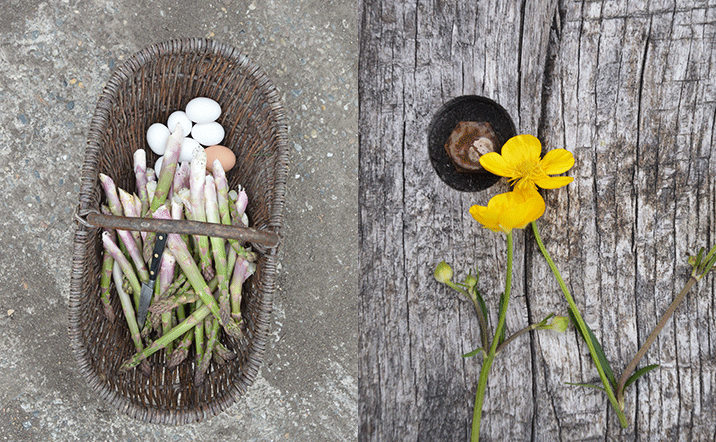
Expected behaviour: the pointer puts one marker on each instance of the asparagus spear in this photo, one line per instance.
(224, 353)
(197, 172)
(242, 202)
(166, 275)
(169, 165)
(151, 189)
(135, 254)
(140, 174)
(177, 247)
(110, 191)
(129, 314)
(222, 191)
(123, 263)
(182, 350)
(181, 176)
(171, 335)
(166, 305)
(223, 202)
(218, 248)
(105, 281)
(164, 183)
(130, 209)
(242, 270)
(212, 325)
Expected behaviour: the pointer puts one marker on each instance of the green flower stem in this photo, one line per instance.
(652, 337)
(582, 326)
(480, 316)
(487, 363)
(514, 336)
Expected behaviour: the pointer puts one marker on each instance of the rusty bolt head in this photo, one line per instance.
(468, 142)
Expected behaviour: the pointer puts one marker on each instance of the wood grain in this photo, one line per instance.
(630, 90)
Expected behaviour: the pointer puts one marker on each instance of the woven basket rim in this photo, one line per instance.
(89, 182)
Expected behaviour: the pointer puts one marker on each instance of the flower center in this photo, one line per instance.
(527, 172)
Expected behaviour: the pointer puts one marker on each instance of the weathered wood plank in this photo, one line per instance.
(629, 89)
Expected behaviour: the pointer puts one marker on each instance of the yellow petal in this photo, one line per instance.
(535, 207)
(512, 218)
(494, 163)
(522, 149)
(557, 161)
(554, 182)
(485, 217)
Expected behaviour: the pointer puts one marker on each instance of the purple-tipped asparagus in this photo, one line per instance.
(151, 189)
(110, 191)
(222, 191)
(242, 270)
(135, 254)
(123, 263)
(160, 193)
(181, 176)
(180, 251)
(140, 174)
(130, 209)
(225, 203)
(169, 165)
(242, 201)
(197, 172)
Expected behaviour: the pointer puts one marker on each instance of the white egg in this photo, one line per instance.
(203, 110)
(158, 166)
(179, 117)
(208, 134)
(187, 149)
(157, 136)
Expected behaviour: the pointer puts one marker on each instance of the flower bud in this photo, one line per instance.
(559, 323)
(692, 261)
(470, 281)
(443, 273)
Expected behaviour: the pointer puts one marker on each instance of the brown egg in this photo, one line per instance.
(222, 153)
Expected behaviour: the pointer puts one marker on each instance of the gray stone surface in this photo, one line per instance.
(55, 57)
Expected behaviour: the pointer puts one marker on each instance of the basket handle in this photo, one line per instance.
(243, 234)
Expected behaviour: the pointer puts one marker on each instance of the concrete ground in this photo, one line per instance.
(55, 57)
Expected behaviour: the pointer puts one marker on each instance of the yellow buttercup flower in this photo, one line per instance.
(511, 210)
(520, 162)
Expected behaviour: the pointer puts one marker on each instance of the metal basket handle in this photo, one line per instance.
(93, 218)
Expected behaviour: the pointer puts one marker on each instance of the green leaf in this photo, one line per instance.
(711, 260)
(598, 387)
(483, 307)
(472, 353)
(598, 349)
(639, 373)
(711, 254)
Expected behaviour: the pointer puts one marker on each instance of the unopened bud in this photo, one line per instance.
(470, 281)
(443, 273)
(692, 261)
(560, 323)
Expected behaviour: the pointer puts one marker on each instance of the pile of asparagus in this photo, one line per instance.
(197, 294)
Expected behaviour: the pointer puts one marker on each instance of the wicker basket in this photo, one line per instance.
(147, 88)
